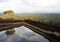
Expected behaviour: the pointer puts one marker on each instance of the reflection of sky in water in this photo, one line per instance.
(22, 34)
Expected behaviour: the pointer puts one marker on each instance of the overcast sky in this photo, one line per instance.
(23, 6)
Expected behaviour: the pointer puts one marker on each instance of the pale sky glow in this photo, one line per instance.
(23, 6)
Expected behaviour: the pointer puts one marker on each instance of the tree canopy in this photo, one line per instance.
(8, 14)
(8, 11)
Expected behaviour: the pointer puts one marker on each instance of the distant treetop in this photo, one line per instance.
(9, 14)
(8, 11)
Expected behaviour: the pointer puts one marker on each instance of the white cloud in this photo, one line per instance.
(31, 5)
(3, 0)
(29, 34)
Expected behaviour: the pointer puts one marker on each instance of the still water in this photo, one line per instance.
(21, 34)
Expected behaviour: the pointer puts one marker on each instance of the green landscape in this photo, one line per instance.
(53, 19)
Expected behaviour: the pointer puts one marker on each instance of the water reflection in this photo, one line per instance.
(21, 34)
(10, 32)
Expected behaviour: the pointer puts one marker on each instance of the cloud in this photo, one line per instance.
(22, 6)
(3, 0)
(29, 34)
